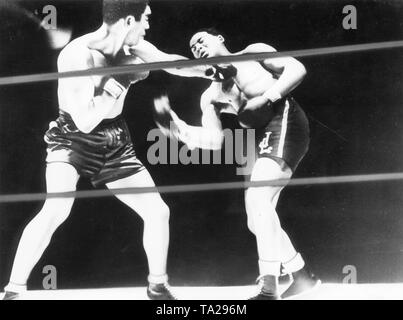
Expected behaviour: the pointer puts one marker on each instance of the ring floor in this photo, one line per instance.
(326, 291)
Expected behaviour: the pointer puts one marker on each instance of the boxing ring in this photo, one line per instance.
(325, 291)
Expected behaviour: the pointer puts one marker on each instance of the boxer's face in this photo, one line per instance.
(137, 29)
(204, 45)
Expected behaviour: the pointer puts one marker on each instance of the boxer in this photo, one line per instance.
(91, 139)
(259, 94)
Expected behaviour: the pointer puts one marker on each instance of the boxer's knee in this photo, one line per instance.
(159, 213)
(55, 212)
(260, 197)
(163, 212)
(260, 208)
(251, 225)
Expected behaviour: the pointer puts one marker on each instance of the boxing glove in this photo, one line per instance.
(256, 113)
(221, 72)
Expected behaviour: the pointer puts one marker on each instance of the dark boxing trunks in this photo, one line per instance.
(285, 138)
(104, 155)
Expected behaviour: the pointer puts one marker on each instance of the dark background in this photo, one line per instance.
(354, 102)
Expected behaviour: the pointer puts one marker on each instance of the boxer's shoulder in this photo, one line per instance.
(76, 55)
(257, 48)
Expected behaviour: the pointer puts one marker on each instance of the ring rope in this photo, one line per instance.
(187, 188)
(12, 80)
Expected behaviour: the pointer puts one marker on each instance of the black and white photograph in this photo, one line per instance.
(205, 150)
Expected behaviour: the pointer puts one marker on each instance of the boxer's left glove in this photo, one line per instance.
(166, 119)
(116, 85)
(119, 83)
(221, 72)
(129, 60)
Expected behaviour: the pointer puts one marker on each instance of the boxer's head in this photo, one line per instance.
(208, 43)
(129, 17)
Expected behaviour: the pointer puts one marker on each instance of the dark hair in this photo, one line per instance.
(215, 32)
(212, 30)
(114, 10)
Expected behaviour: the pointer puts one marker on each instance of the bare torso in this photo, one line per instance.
(252, 80)
(94, 59)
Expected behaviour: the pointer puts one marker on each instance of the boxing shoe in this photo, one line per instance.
(160, 292)
(303, 282)
(285, 279)
(269, 293)
(265, 296)
(8, 295)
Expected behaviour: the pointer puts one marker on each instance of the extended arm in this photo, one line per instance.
(150, 53)
(208, 136)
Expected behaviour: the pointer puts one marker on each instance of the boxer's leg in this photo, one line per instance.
(289, 256)
(291, 260)
(60, 177)
(260, 205)
(155, 214)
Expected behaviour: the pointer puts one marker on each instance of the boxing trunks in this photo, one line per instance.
(104, 155)
(285, 138)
